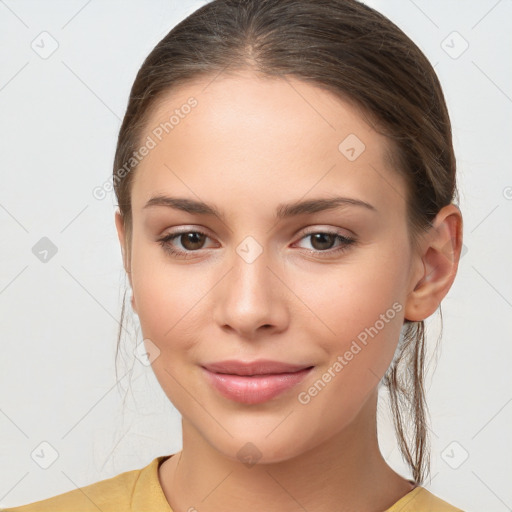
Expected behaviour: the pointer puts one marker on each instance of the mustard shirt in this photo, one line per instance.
(139, 490)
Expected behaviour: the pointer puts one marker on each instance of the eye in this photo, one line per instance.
(322, 242)
(191, 241)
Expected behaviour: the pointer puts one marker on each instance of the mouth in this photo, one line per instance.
(254, 382)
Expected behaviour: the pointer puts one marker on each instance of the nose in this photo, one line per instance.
(251, 299)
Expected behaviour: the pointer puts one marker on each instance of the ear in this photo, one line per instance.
(437, 263)
(121, 234)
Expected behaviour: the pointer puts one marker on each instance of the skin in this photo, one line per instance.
(250, 145)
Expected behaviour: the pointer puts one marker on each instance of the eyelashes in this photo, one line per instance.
(166, 243)
(168, 246)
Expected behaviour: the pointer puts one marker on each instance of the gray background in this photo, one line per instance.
(60, 115)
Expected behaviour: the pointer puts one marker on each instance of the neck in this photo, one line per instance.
(345, 472)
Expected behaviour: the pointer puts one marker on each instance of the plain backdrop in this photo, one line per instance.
(66, 68)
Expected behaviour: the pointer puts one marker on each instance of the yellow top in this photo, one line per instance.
(139, 490)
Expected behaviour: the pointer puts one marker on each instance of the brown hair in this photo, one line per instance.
(359, 55)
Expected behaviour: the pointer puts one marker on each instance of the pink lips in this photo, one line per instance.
(256, 381)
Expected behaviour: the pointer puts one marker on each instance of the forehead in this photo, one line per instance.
(260, 107)
(264, 137)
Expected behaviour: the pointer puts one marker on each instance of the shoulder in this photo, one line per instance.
(422, 500)
(116, 494)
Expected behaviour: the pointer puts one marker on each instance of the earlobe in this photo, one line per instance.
(439, 256)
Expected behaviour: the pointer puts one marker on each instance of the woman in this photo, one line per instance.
(285, 178)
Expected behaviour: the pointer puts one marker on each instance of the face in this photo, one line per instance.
(260, 277)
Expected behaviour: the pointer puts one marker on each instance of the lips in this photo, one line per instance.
(254, 382)
(260, 367)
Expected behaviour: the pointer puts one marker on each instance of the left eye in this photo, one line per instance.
(323, 241)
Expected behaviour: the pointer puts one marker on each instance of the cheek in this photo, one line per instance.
(351, 299)
(164, 294)
(167, 305)
(359, 318)
(362, 317)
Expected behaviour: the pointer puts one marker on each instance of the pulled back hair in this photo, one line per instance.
(356, 53)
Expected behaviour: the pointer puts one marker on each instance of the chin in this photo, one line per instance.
(259, 448)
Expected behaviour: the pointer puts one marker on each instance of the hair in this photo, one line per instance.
(356, 53)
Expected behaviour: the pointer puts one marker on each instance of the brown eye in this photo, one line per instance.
(323, 241)
(327, 243)
(183, 244)
(192, 240)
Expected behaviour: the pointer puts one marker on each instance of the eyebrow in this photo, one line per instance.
(283, 211)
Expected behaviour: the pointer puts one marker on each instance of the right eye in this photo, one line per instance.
(191, 241)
